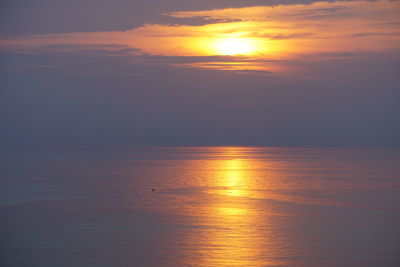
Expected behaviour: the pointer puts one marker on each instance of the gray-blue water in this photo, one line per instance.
(209, 206)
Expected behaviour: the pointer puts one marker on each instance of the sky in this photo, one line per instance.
(180, 72)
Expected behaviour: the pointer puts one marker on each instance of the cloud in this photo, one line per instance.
(367, 34)
(192, 21)
(19, 17)
(274, 33)
(282, 36)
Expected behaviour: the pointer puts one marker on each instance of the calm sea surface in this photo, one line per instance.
(209, 206)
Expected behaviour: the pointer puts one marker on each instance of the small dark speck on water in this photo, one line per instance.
(153, 189)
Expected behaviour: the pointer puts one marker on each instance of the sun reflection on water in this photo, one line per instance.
(232, 216)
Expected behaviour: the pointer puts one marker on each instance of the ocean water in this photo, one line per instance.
(200, 206)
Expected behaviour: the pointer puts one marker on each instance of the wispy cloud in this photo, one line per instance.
(191, 21)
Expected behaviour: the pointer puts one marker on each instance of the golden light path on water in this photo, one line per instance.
(234, 230)
(236, 238)
(236, 202)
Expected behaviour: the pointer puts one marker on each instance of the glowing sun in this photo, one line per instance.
(234, 46)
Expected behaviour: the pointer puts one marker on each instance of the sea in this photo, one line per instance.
(200, 206)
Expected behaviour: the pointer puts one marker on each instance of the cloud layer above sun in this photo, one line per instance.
(258, 38)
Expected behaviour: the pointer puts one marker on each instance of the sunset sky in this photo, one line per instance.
(179, 72)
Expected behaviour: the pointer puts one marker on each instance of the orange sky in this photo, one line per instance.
(253, 37)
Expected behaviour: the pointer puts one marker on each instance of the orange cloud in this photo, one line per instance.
(259, 34)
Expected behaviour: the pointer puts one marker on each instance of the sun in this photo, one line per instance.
(234, 46)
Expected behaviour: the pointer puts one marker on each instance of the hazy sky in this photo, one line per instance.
(180, 72)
